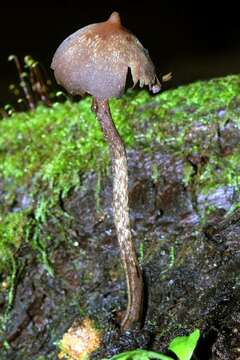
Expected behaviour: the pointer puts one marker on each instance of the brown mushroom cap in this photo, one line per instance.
(96, 58)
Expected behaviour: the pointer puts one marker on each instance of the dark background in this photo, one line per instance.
(192, 40)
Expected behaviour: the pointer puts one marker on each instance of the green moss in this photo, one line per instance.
(12, 232)
(44, 152)
(225, 171)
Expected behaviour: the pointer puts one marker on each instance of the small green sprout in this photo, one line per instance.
(182, 346)
(140, 355)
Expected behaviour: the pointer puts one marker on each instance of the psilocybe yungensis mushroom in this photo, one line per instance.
(95, 60)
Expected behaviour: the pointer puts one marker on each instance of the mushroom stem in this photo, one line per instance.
(133, 273)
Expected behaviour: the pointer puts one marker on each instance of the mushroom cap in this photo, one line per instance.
(96, 58)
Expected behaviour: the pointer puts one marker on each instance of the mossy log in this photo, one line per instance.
(56, 218)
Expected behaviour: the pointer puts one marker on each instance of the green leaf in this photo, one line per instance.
(183, 346)
(140, 355)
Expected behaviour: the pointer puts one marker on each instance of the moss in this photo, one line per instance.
(12, 232)
(44, 152)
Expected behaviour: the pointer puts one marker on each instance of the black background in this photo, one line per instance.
(194, 40)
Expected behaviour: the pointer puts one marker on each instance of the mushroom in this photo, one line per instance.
(95, 60)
